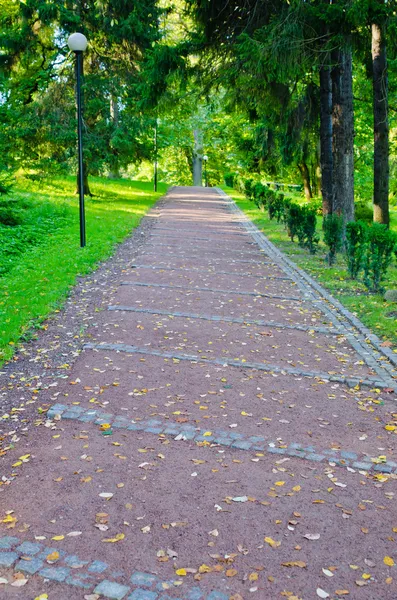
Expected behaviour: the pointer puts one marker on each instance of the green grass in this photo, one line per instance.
(41, 257)
(371, 309)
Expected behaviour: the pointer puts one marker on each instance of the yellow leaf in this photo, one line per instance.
(205, 569)
(295, 563)
(280, 483)
(104, 426)
(231, 573)
(86, 479)
(253, 576)
(9, 519)
(389, 580)
(366, 576)
(17, 464)
(117, 538)
(25, 457)
(53, 556)
(207, 433)
(390, 427)
(58, 538)
(296, 488)
(272, 542)
(181, 572)
(389, 561)
(42, 597)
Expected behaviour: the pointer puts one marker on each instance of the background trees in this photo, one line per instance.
(294, 91)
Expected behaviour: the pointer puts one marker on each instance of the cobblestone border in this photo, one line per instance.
(200, 289)
(367, 344)
(29, 558)
(237, 441)
(349, 381)
(221, 318)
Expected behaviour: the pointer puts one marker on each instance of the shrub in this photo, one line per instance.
(293, 220)
(307, 235)
(378, 256)
(363, 212)
(248, 188)
(229, 179)
(10, 216)
(333, 229)
(261, 195)
(356, 239)
(276, 207)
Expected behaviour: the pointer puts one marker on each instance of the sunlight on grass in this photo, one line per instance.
(45, 268)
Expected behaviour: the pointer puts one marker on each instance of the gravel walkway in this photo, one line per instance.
(201, 422)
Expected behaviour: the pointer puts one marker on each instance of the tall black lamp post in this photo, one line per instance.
(77, 42)
(205, 159)
(156, 124)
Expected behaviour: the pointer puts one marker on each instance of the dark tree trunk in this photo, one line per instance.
(304, 171)
(343, 135)
(381, 126)
(326, 158)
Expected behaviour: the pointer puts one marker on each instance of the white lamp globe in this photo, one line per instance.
(205, 157)
(77, 42)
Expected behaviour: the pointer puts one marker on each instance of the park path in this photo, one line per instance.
(227, 432)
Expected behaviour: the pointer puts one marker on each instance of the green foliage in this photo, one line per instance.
(307, 235)
(356, 240)
(276, 206)
(333, 230)
(43, 255)
(363, 211)
(381, 242)
(293, 220)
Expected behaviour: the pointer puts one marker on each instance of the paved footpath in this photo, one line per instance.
(227, 432)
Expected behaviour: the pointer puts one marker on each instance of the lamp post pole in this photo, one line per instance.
(205, 159)
(155, 154)
(77, 42)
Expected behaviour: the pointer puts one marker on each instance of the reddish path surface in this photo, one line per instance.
(230, 472)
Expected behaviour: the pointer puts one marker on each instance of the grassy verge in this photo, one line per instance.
(40, 255)
(371, 309)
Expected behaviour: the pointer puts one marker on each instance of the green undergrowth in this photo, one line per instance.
(40, 254)
(371, 309)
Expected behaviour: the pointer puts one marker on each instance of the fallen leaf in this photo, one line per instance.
(116, 538)
(272, 542)
(295, 563)
(231, 572)
(389, 561)
(321, 593)
(312, 536)
(106, 495)
(181, 572)
(58, 538)
(240, 499)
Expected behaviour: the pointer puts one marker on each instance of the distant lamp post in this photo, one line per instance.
(77, 42)
(205, 159)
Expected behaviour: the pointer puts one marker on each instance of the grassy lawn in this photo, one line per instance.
(378, 315)
(40, 254)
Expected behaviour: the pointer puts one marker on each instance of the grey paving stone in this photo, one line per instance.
(111, 589)
(217, 596)
(315, 457)
(29, 548)
(241, 445)
(383, 468)
(74, 561)
(80, 580)
(98, 567)
(194, 594)
(348, 455)
(29, 566)
(222, 441)
(43, 555)
(364, 466)
(276, 450)
(154, 429)
(8, 558)
(7, 542)
(141, 594)
(55, 573)
(143, 579)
